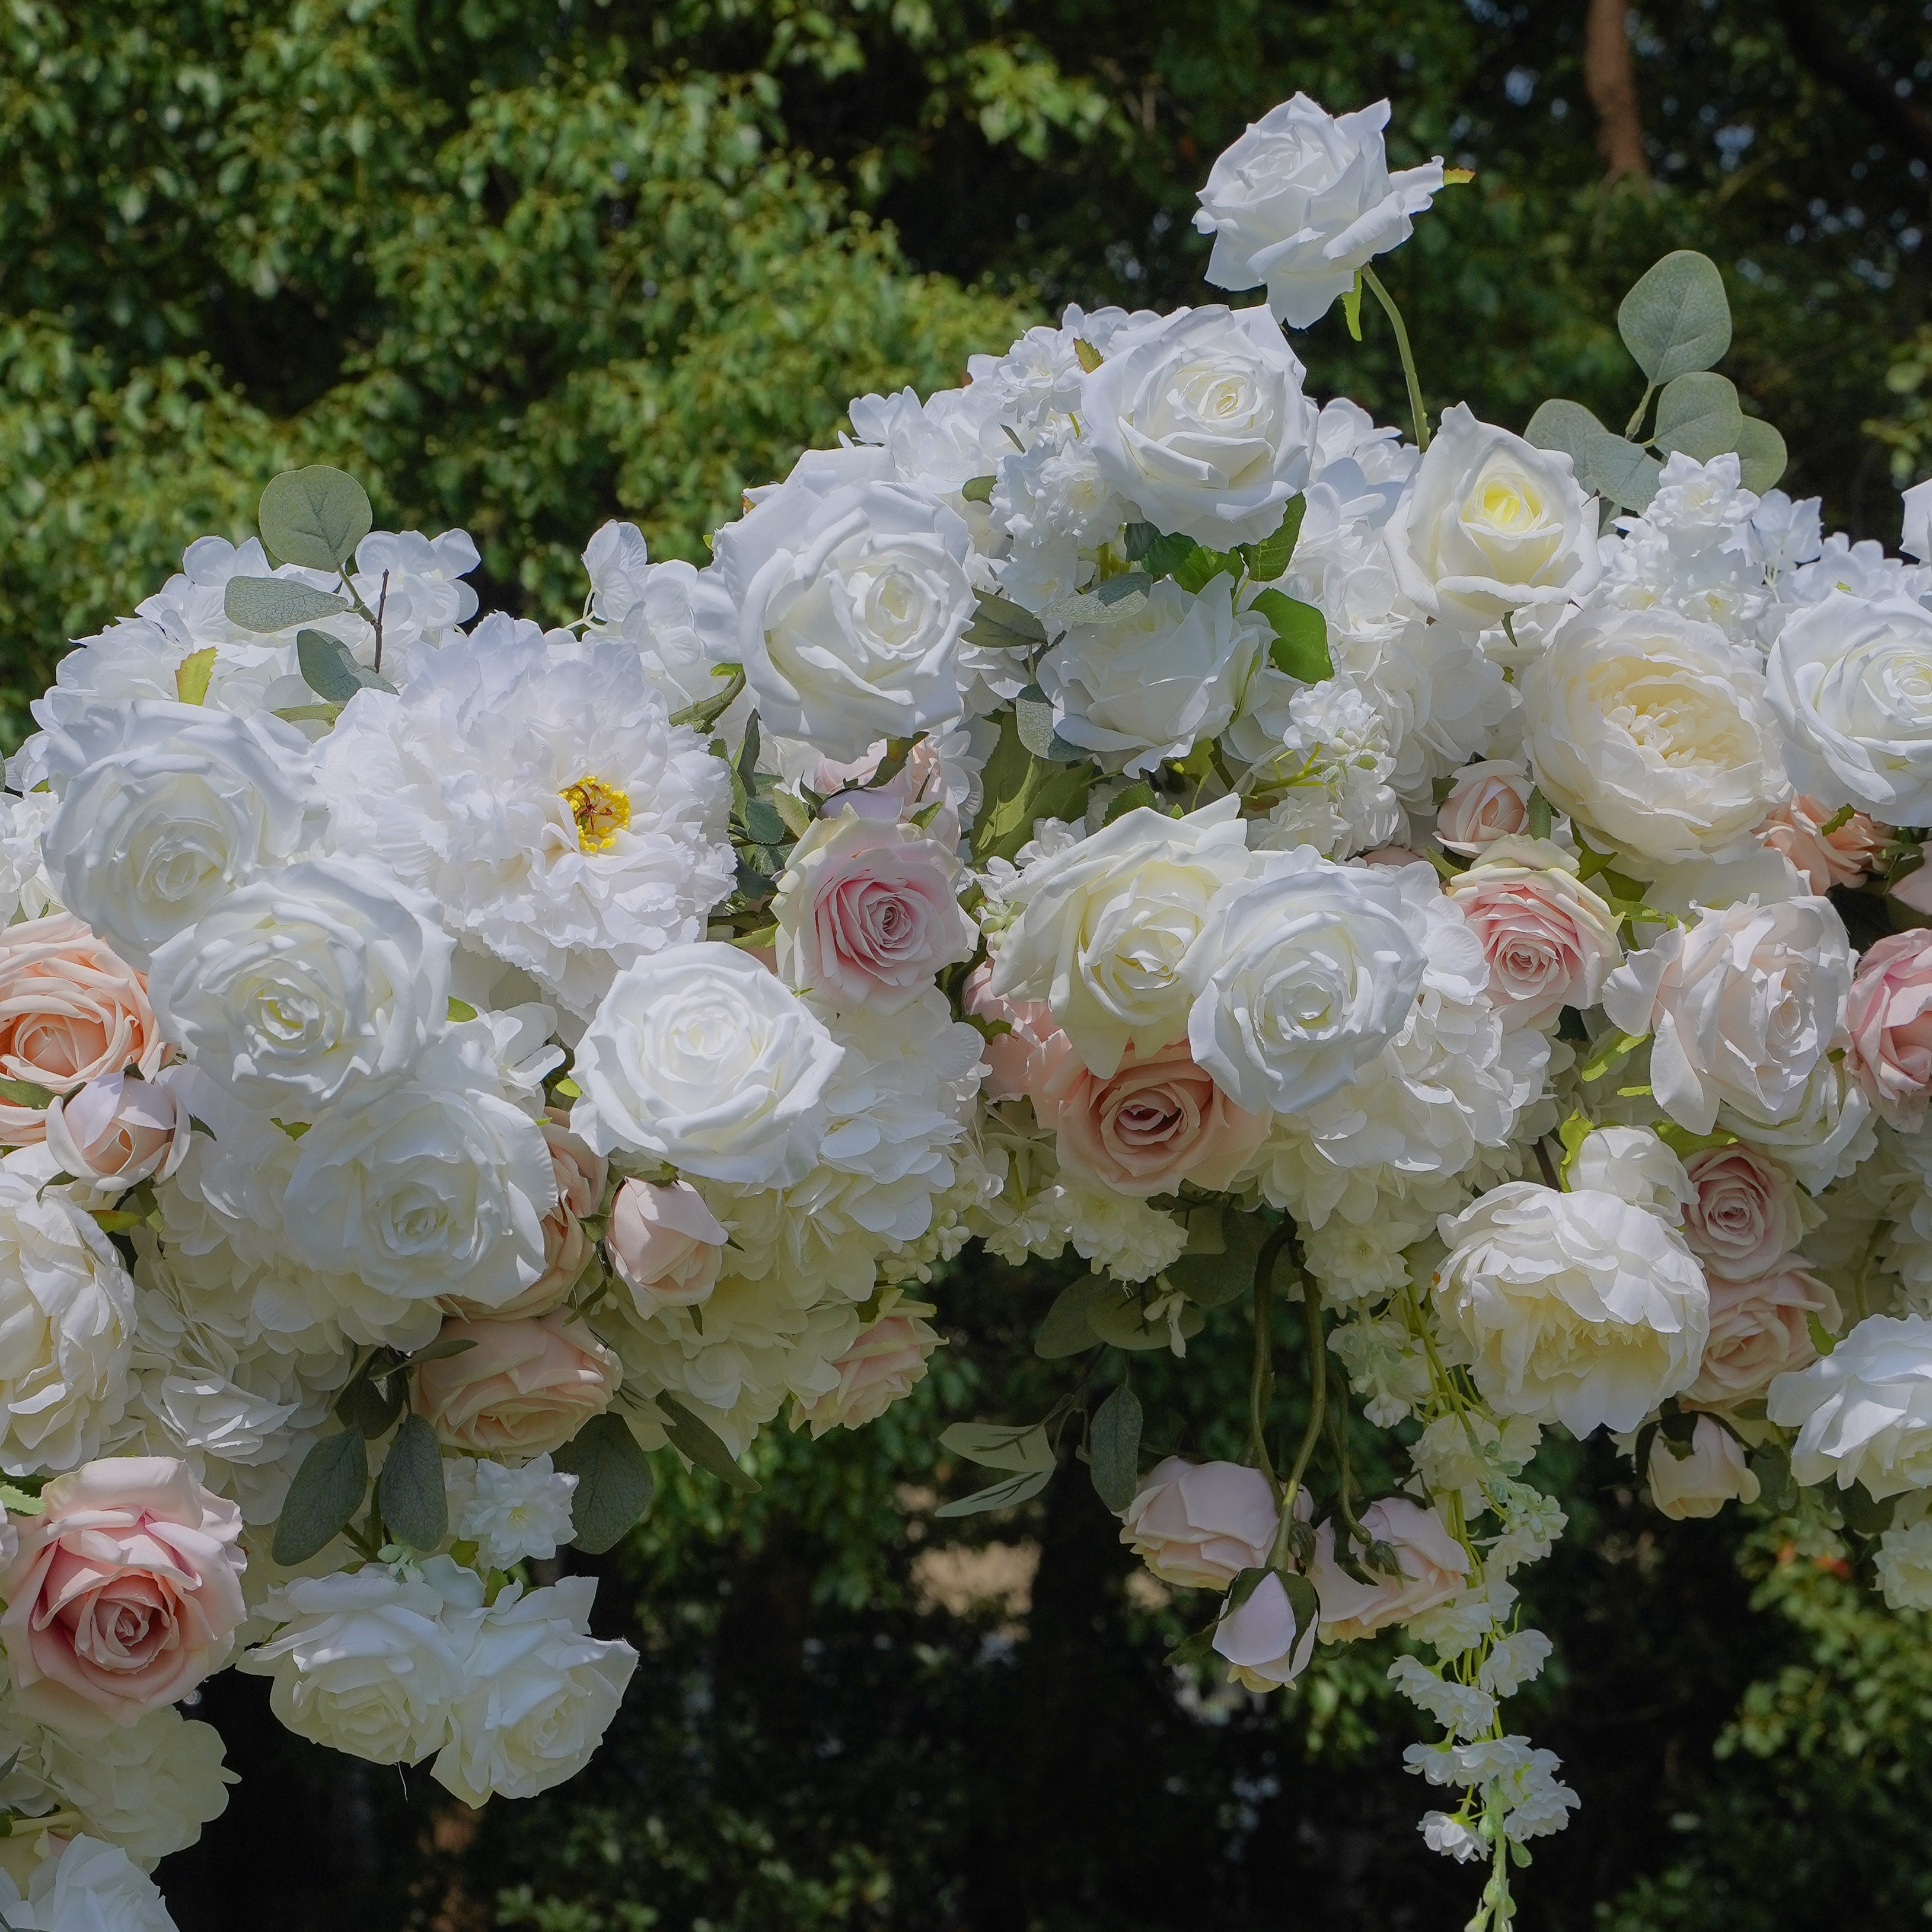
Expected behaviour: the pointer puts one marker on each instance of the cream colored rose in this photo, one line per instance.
(118, 1130)
(525, 1388)
(1486, 802)
(1636, 1166)
(1200, 1525)
(1700, 1484)
(666, 1245)
(1263, 1645)
(1431, 1567)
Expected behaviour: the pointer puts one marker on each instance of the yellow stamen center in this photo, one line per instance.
(601, 810)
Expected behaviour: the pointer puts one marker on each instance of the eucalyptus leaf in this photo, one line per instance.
(329, 668)
(1115, 1448)
(1560, 423)
(1033, 715)
(1210, 1277)
(1001, 1495)
(1622, 472)
(1761, 455)
(1300, 646)
(327, 1492)
(415, 1504)
(697, 1442)
(1111, 602)
(1023, 1446)
(1066, 1331)
(1000, 624)
(614, 1483)
(1118, 1319)
(1677, 319)
(1698, 416)
(314, 517)
(277, 603)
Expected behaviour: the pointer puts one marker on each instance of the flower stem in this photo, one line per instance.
(1318, 1387)
(1261, 1380)
(1372, 282)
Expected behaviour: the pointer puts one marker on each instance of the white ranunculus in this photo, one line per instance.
(1636, 1166)
(1199, 422)
(164, 807)
(509, 1513)
(85, 1886)
(1305, 198)
(1299, 975)
(1491, 524)
(1852, 680)
(539, 1693)
(1654, 732)
(1864, 1412)
(67, 1323)
(328, 971)
(436, 1186)
(703, 1057)
(148, 1788)
(1743, 1007)
(1573, 1308)
(1149, 686)
(1106, 925)
(851, 591)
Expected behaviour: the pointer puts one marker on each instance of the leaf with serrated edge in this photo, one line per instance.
(314, 517)
(1001, 1495)
(1001, 1445)
(614, 1483)
(415, 1505)
(327, 1492)
(193, 674)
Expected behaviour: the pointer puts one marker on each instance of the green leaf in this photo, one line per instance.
(442, 1348)
(1115, 1448)
(310, 714)
(1201, 566)
(24, 1094)
(1698, 416)
(978, 489)
(1302, 1599)
(1019, 790)
(1863, 1514)
(369, 1403)
(1001, 1495)
(329, 669)
(1561, 424)
(314, 517)
(706, 712)
(1351, 309)
(698, 1443)
(20, 1502)
(1066, 1331)
(276, 603)
(614, 1483)
(192, 675)
(1620, 471)
(1000, 624)
(328, 1490)
(1266, 560)
(1165, 554)
(1218, 1264)
(416, 1508)
(1117, 1319)
(1677, 319)
(1541, 818)
(1090, 356)
(1300, 646)
(1613, 1051)
(1761, 455)
(1021, 1446)
(1137, 539)
(460, 1010)
(1033, 715)
(1136, 797)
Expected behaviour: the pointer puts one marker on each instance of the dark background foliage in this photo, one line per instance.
(523, 266)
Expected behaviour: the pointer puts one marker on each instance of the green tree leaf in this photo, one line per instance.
(1697, 415)
(327, 1492)
(1266, 560)
(314, 517)
(1300, 646)
(415, 1504)
(1677, 318)
(276, 603)
(1115, 1448)
(1019, 790)
(614, 1483)
(1000, 624)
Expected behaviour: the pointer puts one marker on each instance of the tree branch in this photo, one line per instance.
(1609, 79)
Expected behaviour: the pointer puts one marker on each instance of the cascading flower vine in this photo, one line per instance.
(1443, 903)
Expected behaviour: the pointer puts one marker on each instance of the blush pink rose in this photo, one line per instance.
(70, 1011)
(1744, 1216)
(526, 1387)
(120, 1129)
(884, 1363)
(919, 785)
(1434, 1567)
(1889, 1017)
(1842, 856)
(1758, 1330)
(1260, 1641)
(580, 1175)
(666, 1245)
(1199, 1525)
(1487, 801)
(1019, 1059)
(1549, 941)
(1158, 1121)
(868, 912)
(124, 1595)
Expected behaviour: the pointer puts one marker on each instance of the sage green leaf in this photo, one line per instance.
(1115, 1448)
(1761, 455)
(1033, 715)
(1621, 472)
(415, 1505)
(1001, 1495)
(614, 1483)
(1001, 625)
(1300, 646)
(26, 1093)
(1066, 1331)
(698, 1443)
(1021, 1446)
(369, 1404)
(328, 1490)
(1112, 601)
(1211, 1276)
(1698, 416)
(1117, 1319)
(329, 668)
(1677, 318)
(276, 604)
(1561, 424)
(314, 517)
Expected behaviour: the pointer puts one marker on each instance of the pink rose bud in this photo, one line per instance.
(1434, 1567)
(1700, 1484)
(1889, 1017)
(1760, 1330)
(880, 1367)
(666, 1245)
(118, 1130)
(1842, 856)
(1020, 1060)
(1487, 801)
(1199, 1525)
(124, 1595)
(1263, 1646)
(1745, 1216)
(526, 1387)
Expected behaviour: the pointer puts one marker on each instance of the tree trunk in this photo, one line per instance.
(1609, 79)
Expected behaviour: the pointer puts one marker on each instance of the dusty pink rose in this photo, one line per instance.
(666, 1245)
(1199, 1525)
(1842, 856)
(526, 1387)
(1159, 1121)
(124, 1594)
(1745, 1216)
(884, 1362)
(120, 1129)
(919, 785)
(1264, 1648)
(580, 1175)
(1434, 1567)
(867, 912)
(1889, 1016)
(1020, 1059)
(70, 1011)
(1488, 801)
(1758, 1330)
(1699, 1484)
(1550, 941)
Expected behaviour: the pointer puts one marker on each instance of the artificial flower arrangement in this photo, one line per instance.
(1449, 904)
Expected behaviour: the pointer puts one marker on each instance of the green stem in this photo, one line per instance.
(1261, 1378)
(1372, 282)
(1318, 1387)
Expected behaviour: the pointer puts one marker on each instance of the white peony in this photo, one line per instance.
(1636, 1166)
(1304, 200)
(148, 1788)
(1573, 1308)
(84, 1886)
(1864, 1412)
(508, 1513)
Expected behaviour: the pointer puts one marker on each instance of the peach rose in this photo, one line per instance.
(124, 1594)
(70, 1011)
(1433, 1565)
(881, 1366)
(1488, 801)
(1550, 941)
(118, 1130)
(1020, 1059)
(1745, 1215)
(1758, 1330)
(579, 1175)
(1199, 1525)
(1700, 1484)
(1842, 856)
(666, 1245)
(1889, 1017)
(527, 1387)
(1159, 1121)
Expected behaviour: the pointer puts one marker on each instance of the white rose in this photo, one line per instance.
(1573, 1308)
(327, 971)
(1655, 731)
(1299, 975)
(1491, 524)
(1852, 681)
(1149, 686)
(1700, 1484)
(148, 1788)
(1743, 1007)
(509, 1513)
(1305, 198)
(86, 1886)
(1635, 1166)
(540, 1692)
(372, 1662)
(163, 808)
(1198, 421)
(1107, 923)
(852, 592)
(1864, 1412)
(703, 1057)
